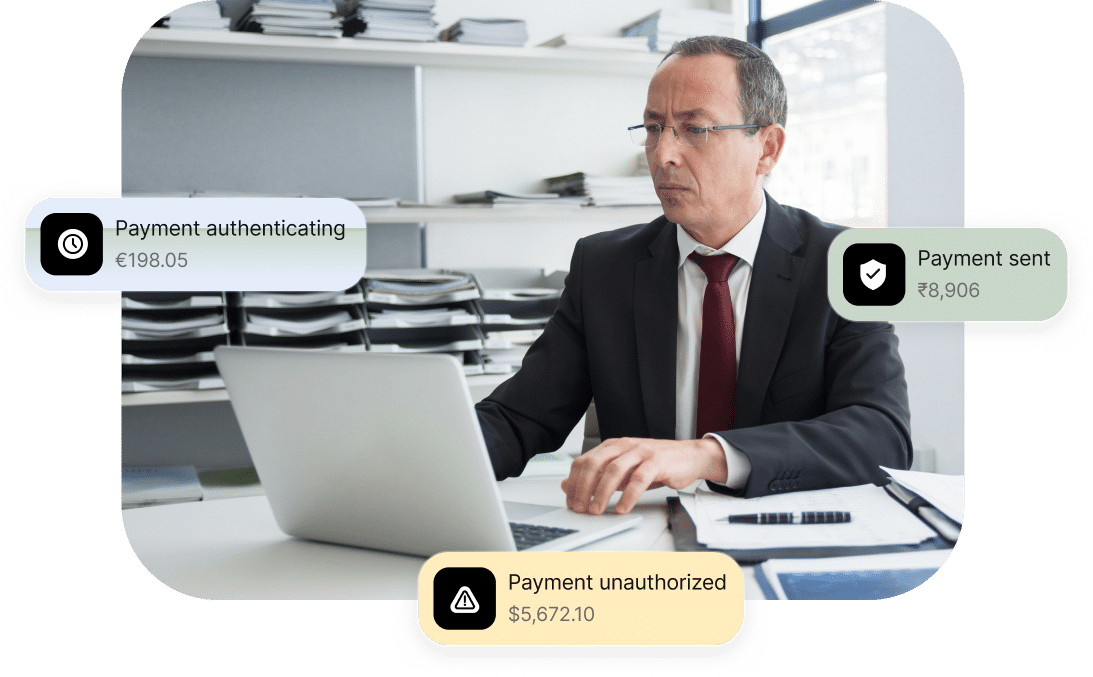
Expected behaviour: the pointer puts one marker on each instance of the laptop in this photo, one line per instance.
(383, 451)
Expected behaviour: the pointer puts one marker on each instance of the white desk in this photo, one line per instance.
(233, 549)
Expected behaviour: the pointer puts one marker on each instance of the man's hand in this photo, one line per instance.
(635, 465)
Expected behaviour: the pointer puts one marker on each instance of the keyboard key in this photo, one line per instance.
(531, 535)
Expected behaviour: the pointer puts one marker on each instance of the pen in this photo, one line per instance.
(819, 517)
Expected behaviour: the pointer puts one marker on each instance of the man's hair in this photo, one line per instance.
(762, 96)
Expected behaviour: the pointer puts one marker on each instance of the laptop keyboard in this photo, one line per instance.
(531, 535)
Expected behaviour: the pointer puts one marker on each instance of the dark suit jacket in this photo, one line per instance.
(820, 401)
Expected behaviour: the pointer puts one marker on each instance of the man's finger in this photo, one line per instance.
(585, 473)
(615, 475)
(641, 480)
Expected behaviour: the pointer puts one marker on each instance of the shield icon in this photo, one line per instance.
(872, 273)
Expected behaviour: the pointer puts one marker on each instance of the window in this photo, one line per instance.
(835, 160)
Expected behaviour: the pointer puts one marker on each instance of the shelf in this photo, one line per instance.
(489, 381)
(242, 46)
(514, 214)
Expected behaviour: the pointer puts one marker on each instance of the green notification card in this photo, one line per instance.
(947, 274)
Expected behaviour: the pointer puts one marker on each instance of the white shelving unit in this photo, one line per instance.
(237, 46)
(449, 224)
(530, 215)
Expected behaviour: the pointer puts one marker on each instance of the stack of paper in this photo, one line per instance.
(669, 25)
(606, 191)
(504, 351)
(877, 520)
(410, 288)
(567, 41)
(402, 318)
(508, 32)
(198, 15)
(301, 299)
(516, 305)
(391, 20)
(323, 322)
(292, 17)
(374, 202)
(151, 328)
(168, 339)
(425, 311)
(497, 197)
(331, 320)
(156, 486)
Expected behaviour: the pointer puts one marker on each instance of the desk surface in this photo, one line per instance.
(233, 549)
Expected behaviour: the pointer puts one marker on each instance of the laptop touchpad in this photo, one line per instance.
(524, 511)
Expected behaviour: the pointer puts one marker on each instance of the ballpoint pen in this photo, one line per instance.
(815, 517)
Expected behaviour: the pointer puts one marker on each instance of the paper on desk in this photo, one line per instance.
(876, 519)
(944, 492)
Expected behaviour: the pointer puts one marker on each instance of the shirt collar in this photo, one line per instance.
(743, 245)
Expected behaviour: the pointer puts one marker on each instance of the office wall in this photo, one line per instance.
(508, 130)
(317, 129)
(926, 189)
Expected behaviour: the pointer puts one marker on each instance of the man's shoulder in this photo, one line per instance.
(797, 229)
(634, 239)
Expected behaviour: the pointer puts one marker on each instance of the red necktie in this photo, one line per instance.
(717, 354)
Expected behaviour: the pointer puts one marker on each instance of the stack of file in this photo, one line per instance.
(168, 339)
(567, 41)
(425, 311)
(292, 17)
(142, 486)
(606, 191)
(312, 320)
(516, 305)
(497, 197)
(508, 32)
(391, 20)
(374, 202)
(199, 15)
(667, 26)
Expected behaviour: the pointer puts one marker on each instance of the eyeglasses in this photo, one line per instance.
(694, 135)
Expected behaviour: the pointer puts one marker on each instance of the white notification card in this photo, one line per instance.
(195, 244)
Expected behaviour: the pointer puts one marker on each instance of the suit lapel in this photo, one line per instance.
(774, 282)
(655, 319)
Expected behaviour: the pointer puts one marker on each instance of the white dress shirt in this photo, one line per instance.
(691, 290)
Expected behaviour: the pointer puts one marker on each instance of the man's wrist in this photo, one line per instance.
(737, 464)
(716, 468)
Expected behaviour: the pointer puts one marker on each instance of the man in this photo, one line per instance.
(705, 337)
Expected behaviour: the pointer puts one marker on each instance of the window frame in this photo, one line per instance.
(760, 29)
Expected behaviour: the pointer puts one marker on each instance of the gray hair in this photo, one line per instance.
(762, 96)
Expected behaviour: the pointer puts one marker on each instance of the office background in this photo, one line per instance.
(858, 153)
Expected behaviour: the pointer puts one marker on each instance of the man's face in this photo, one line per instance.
(706, 186)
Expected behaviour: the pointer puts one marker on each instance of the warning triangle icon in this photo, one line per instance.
(464, 602)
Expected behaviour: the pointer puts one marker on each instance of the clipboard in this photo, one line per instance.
(683, 534)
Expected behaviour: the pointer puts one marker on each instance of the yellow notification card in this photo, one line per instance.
(581, 598)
